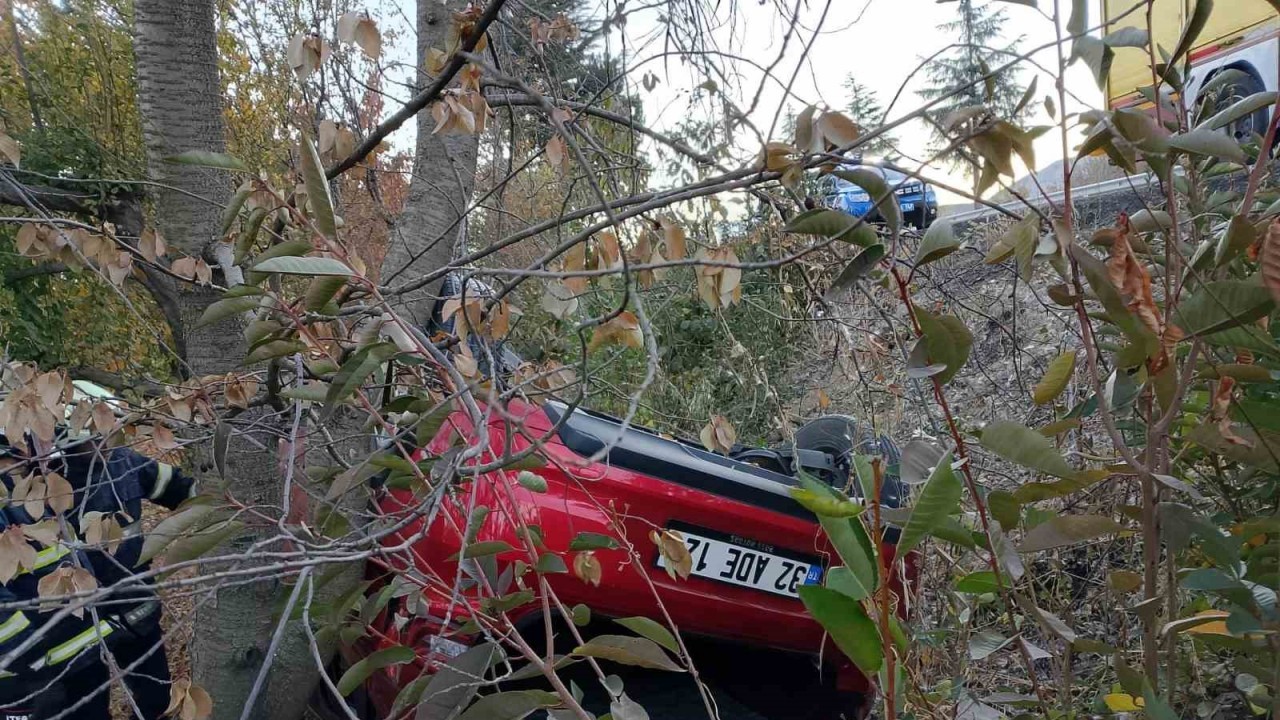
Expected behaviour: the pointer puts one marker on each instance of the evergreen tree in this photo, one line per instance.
(980, 48)
(863, 107)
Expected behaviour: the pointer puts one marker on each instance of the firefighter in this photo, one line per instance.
(67, 666)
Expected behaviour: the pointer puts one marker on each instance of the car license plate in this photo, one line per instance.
(745, 562)
(908, 207)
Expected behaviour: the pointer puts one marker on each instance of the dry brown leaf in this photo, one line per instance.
(203, 273)
(184, 267)
(558, 300)
(239, 391)
(672, 547)
(673, 238)
(163, 439)
(62, 582)
(824, 400)
(60, 495)
(152, 245)
(188, 701)
(838, 130)
(1220, 411)
(436, 60)
(306, 53)
(575, 260)
(45, 532)
(15, 553)
(609, 250)
(101, 530)
(719, 284)
(31, 492)
(104, 419)
(557, 153)
(718, 435)
(777, 156)
(1269, 259)
(9, 150)
(363, 31)
(622, 329)
(587, 567)
(469, 77)
(80, 417)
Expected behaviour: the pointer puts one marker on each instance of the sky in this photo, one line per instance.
(879, 42)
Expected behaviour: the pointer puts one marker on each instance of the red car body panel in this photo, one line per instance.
(589, 497)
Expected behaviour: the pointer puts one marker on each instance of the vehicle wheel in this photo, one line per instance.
(841, 436)
(1227, 95)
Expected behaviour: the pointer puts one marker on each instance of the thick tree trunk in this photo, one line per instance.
(180, 99)
(444, 172)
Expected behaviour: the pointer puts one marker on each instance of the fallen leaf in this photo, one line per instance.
(718, 435)
(587, 567)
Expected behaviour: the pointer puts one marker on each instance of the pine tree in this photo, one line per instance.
(863, 107)
(980, 48)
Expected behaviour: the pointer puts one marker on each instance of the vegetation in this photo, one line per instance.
(1093, 449)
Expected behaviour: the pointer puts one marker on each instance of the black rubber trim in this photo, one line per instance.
(641, 450)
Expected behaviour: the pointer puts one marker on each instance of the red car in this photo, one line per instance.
(751, 546)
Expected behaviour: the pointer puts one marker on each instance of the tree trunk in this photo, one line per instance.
(180, 100)
(444, 173)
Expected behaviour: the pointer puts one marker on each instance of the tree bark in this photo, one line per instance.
(180, 100)
(444, 171)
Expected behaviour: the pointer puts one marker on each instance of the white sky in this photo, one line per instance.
(879, 41)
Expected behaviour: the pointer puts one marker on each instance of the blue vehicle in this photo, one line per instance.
(916, 199)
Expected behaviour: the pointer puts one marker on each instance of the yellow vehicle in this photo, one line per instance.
(1241, 35)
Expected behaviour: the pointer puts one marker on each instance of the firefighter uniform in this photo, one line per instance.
(65, 667)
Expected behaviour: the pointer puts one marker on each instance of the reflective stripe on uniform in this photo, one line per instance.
(164, 472)
(51, 555)
(77, 644)
(16, 623)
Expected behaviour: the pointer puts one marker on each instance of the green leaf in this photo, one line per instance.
(1034, 492)
(249, 233)
(846, 621)
(847, 535)
(1078, 21)
(511, 705)
(1195, 25)
(481, 549)
(226, 308)
(1209, 143)
(842, 580)
(591, 541)
(550, 564)
(1062, 530)
(322, 289)
(978, 583)
(824, 505)
(292, 265)
(1005, 508)
(284, 249)
(450, 688)
(196, 544)
(854, 271)
(355, 675)
(947, 341)
(317, 188)
(881, 194)
(638, 651)
(1020, 444)
(1148, 221)
(1244, 337)
(938, 242)
(645, 627)
(581, 615)
(532, 482)
(836, 224)
(1117, 310)
(192, 516)
(232, 210)
(1222, 305)
(273, 349)
(1239, 235)
(354, 372)
(940, 498)
(983, 644)
(1239, 109)
(311, 391)
(1127, 37)
(1055, 379)
(204, 158)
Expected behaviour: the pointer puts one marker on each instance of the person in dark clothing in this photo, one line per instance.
(69, 659)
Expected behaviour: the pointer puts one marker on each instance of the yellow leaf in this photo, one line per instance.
(1121, 702)
(587, 568)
